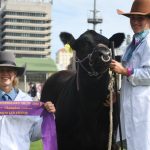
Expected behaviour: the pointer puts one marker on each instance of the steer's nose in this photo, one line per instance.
(105, 55)
(105, 52)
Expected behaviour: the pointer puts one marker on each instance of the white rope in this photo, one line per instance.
(111, 113)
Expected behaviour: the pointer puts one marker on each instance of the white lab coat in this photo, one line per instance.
(17, 131)
(135, 99)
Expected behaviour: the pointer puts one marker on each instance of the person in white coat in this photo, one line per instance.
(16, 132)
(135, 88)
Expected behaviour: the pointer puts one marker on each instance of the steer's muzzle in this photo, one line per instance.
(101, 53)
(105, 58)
(104, 52)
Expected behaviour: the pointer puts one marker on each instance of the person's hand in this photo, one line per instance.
(117, 67)
(50, 107)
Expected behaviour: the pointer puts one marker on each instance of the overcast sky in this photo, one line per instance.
(71, 16)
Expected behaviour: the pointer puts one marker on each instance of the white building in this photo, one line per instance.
(63, 59)
(26, 27)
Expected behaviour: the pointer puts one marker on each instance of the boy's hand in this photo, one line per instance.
(50, 107)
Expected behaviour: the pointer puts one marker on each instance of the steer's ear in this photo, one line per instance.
(67, 38)
(118, 39)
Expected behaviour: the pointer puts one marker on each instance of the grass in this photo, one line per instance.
(36, 145)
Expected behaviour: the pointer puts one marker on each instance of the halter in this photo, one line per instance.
(92, 72)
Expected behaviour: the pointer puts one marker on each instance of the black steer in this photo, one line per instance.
(82, 120)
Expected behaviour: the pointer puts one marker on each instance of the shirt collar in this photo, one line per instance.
(12, 94)
(138, 37)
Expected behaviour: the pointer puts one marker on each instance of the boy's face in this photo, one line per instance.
(139, 23)
(7, 76)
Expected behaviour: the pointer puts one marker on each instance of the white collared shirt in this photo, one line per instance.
(16, 132)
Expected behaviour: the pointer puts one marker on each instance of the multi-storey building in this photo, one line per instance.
(25, 27)
(63, 59)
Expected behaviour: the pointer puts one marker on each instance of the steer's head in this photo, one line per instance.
(93, 51)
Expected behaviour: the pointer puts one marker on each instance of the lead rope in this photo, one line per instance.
(110, 87)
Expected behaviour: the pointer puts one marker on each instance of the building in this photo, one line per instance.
(63, 59)
(25, 27)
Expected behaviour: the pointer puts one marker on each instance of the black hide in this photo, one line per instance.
(82, 120)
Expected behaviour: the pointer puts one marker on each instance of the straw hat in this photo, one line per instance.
(139, 7)
(7, 59)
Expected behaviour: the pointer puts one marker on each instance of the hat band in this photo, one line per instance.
(8, 62)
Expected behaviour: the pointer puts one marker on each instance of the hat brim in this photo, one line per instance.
(120, 12)
(19, 70)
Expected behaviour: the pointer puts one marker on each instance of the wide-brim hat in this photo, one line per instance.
(7, 59)
(139, 7)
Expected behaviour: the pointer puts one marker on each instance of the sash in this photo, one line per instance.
(34, 108)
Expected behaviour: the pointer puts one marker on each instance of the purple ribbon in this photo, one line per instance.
(48, 127)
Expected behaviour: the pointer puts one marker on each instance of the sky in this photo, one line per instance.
(71, 16)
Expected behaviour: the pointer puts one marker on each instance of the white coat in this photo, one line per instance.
(135, 99)
(16, 132)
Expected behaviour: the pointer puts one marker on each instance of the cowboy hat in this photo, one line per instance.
(139, 7)
(7, 59)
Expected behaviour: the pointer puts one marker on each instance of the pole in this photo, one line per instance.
(25, 83)
(117, 100)
(94, 14)
(74, 61)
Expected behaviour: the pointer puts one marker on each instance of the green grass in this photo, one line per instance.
(36, 145)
